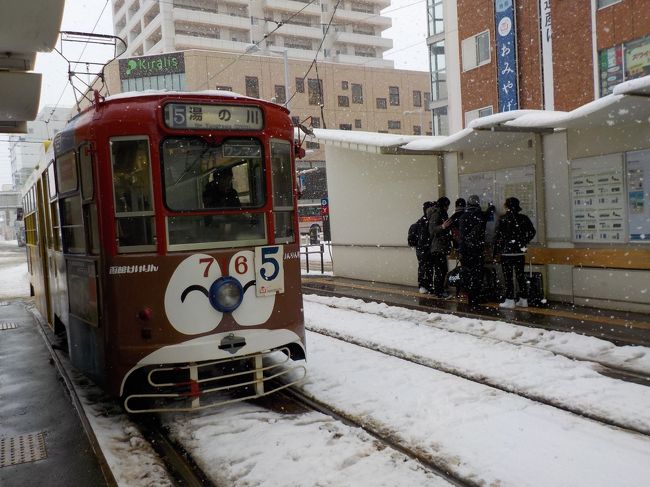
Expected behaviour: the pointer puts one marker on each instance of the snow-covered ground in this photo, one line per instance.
(491, 436)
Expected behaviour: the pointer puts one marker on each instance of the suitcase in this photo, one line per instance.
(490, 289)
(535, 282)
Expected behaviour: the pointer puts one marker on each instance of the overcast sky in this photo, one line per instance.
(408, 34)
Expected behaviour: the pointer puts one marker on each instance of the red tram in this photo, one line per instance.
(162, 237)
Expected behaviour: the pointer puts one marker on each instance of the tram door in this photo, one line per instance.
(42, 224)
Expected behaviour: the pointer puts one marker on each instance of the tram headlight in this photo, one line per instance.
(226, 294)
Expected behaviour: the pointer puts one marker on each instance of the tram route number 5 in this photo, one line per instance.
(269, 270)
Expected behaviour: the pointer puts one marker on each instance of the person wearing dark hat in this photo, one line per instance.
(425, 260)
(471, 249)
(459, 209)
(513, 233)
(440, 245)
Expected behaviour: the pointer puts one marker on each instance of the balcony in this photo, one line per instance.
(184, 42)
(371, 62)
(363, 40)
(293, 7)
(350, 17)
(294, 30)
(207, 18)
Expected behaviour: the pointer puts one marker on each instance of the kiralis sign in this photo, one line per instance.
(160, 65)
(506, 52)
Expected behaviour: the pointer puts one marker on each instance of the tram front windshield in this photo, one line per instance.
(199, 176)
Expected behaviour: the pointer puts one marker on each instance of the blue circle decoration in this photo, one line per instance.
(216, 294)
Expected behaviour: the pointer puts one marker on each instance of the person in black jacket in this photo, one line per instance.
(471, 249)
(513, 233)
(440, 244)
(422, 252)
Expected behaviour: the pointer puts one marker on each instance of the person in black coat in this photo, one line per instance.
(440, 244)
(471, 248)
(513, 233)
(422, 252)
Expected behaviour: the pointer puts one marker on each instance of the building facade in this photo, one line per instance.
(335, 96)
(26, 150)
(559, 55)
(353, 28)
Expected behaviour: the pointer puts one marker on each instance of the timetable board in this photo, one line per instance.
(598, 199)
(638, 195)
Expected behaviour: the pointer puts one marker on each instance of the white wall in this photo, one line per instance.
(373, 199)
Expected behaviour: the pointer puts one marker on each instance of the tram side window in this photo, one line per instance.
(134, 215)
(282, 180)
(91, 224)
(72, 231)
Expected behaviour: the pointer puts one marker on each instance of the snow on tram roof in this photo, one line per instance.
(220, 93)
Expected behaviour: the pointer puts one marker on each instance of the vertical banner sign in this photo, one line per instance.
(506, 51)
(547, 53)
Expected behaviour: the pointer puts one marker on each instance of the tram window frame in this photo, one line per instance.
(185, 230)
(282, 187)
(89, 208)
(62, 162)
(143, 219)
(70, 220)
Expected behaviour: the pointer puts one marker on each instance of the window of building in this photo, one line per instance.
(394, 125)
(476, 50)
(223, 87)
(427, 101)
(435, 17)
(381, 103)
(440, 121)
(252, 87)
(313, 145)
(357, 93)
(300, 85)
(474, 114)
(393, 95)
(417, 98)
(438, 71)
(607, 3)
(344, 101)
(295, 120)
(315, 122)
(623, 62)
(280, 94)
(315, 91)
(357, 123)
(417, 130)
(345, 126)
(344, 85)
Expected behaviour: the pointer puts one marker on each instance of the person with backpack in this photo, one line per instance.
(440, 244)
(418, 237)
(471, 249)
(513, 233)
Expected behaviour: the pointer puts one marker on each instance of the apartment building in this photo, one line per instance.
(541, 54)
(298, 26)
(26, 150)
(328, 95)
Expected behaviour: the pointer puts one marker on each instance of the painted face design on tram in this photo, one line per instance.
(198, 294)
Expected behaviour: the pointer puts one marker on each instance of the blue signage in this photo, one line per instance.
(506, 52)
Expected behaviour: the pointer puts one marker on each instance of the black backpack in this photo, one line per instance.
(414, 233)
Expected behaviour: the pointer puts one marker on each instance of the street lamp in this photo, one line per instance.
(284, 52)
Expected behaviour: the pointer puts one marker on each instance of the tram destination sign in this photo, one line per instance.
(213, 117)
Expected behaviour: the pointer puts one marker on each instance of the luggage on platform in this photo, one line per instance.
(535, 283)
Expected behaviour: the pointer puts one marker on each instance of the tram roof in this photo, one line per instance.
(628, 104)
(204, 93)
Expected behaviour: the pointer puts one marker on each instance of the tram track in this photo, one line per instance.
(614, 371)
(179, 465)
(435, 464)
(483, 380)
